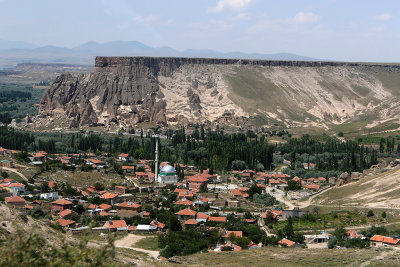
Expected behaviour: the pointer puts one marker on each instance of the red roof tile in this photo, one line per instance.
(15, 199)
(186, 212)
(217, 219)
(62, 202)
(286, 242)
(385, 239)
(64, 222)
(191, 222)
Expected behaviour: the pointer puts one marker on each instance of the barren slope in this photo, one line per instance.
(377, 191)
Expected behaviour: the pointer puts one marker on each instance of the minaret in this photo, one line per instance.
(156, 163)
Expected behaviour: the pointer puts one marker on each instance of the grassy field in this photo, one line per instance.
(149, 243)
(286, 257)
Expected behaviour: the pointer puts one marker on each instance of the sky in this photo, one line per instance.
(348, 30)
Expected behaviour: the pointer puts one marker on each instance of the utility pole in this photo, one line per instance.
(156, 162)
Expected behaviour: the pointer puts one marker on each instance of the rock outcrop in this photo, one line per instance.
(130, 90)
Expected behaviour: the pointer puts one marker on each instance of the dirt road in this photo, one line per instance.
(129, 240)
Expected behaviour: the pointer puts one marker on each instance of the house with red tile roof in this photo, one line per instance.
(124, 157)
(142, 176)
(52, 184)
(116, 225)
(287, 243)
(120, 189)
(128, 169)
(110, 197)
(145, 214)
(28, 207)
(160, 226)
(354, 234)
(66, 213)
(128, 209)
(39, 157)
(65, 223)
(184, 202)
(228, 234)
(380, 241)
(312, 187)
(16, 201)
(202, 217)
(309, 166)
(217, 219)
(61, 204)
(186, 214)
(191, 223)
(241, 192)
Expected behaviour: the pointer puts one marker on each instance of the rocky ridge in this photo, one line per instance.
(128, 90)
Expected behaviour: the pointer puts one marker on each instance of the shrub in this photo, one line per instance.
(30, 249)
(370, 213)
(265, 199)
(332, 242)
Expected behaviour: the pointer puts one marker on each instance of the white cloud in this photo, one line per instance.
(304, 17)
(377, 29)
(147, 19)
(241, 16)
(383, 17)
(236, 5)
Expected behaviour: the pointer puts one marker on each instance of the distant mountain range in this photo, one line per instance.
(14, 52)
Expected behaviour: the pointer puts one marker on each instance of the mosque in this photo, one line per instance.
(167, 175)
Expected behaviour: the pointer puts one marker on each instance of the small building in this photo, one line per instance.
(296, 212)
(197, 181)
(186, 214)
(167, 175)
(227, 234)
(120, 189)
(66, 213)
(146, 227)
(65, 223)
(383, 241)
(160, 226)
(288, 243)
(124, 157)
(7, 163)
(17, 189)
(128, 169)
(61, 204)
(202, 217)
(16, 201)
(217, 219)
(128, 209)
(319, 241)
(116, 225)
(191, 223)
(110, 197)
(49, 196)
(184, 202)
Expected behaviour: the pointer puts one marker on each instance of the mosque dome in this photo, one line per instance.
(168, 169)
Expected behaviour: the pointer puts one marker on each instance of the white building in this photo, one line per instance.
(49, 196)
(167, 175)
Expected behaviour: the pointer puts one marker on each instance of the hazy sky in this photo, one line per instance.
(352, 30)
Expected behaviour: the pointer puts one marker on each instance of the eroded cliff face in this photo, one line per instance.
(128, 90)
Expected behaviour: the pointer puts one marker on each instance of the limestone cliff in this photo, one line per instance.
(129, 90)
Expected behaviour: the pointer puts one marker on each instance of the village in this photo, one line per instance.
(148, 198)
